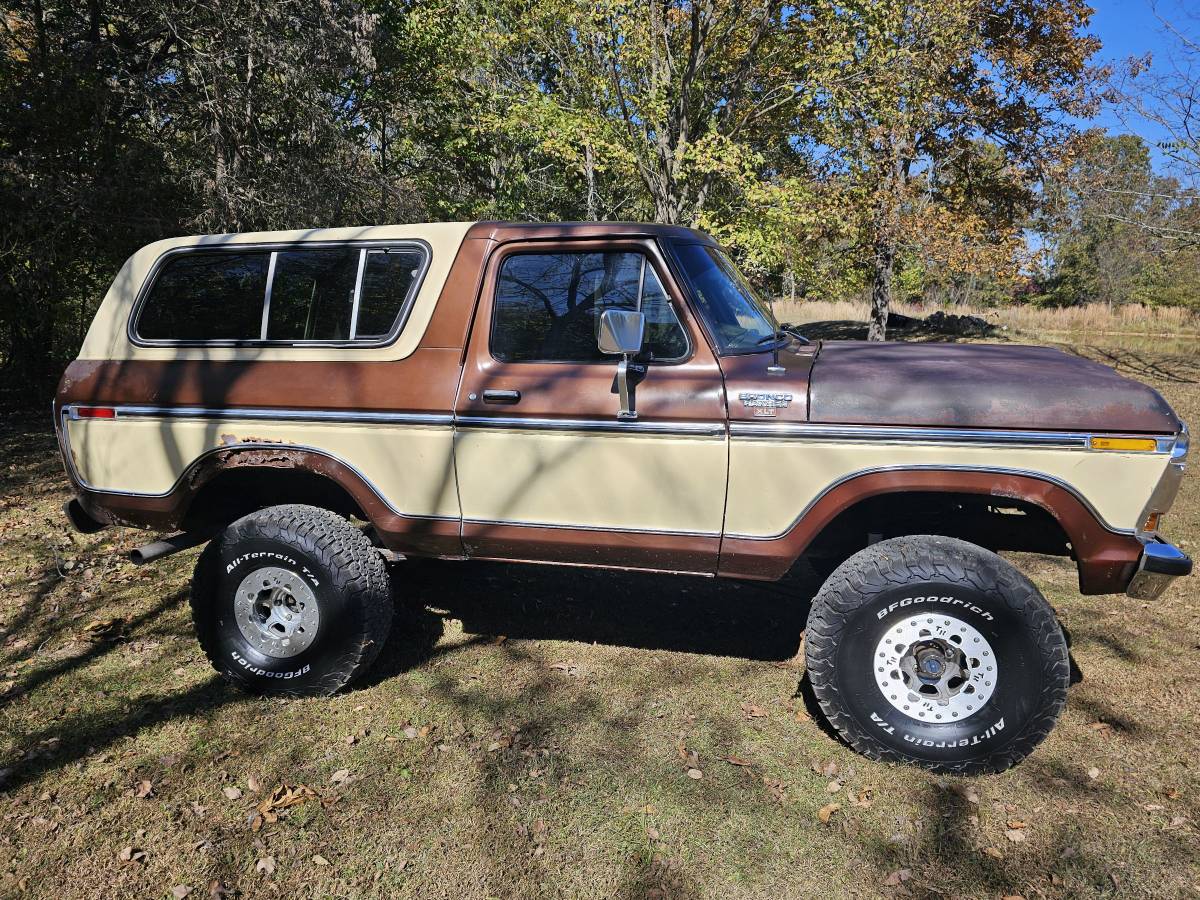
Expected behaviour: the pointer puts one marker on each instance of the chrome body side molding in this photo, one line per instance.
(988, 437)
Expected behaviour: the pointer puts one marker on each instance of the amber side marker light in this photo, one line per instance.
(1119, 443)
(95, 412)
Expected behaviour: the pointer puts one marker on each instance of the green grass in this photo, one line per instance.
(554, 762)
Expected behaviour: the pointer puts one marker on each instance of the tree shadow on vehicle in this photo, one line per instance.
(748, 620)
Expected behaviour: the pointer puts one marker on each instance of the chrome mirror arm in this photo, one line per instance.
(625, 390)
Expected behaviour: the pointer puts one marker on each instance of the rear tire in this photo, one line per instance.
(291, 600)
(935, 652)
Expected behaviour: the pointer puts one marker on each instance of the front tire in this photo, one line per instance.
(291, 600)
(935, 652)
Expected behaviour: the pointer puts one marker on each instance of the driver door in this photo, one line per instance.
(546, 470)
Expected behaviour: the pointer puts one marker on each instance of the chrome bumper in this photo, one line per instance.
(1160, 564)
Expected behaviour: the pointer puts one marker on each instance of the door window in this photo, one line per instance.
(548, 306)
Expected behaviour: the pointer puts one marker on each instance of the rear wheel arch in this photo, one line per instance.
(230, 484)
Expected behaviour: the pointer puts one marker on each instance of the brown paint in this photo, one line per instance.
(656, 552)
(979, 386)
(749, 373)
(1106, 560)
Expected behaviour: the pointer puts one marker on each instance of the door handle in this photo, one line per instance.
(506, 398)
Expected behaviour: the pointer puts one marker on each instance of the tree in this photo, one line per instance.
(1166, 93)
(1116, 231)
(919, 86)
(684, 96)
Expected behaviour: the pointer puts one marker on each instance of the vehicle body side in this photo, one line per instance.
(702, 482)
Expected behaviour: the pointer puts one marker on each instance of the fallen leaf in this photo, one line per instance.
(143, 789)
(993, 852)
(829, 768)
(1017, 823)
(319, 860)
(827, 811)
(1093, 773)
(232, 793)
(253, 784)
(132, 854)
(736, 760)
(695, 773)
(410, 732)
(180, 891)
(966, 793)
(834, 786)
(351, 739)
(753, 711)
(266, 865)
(898, 877)
(340, 776)
(1013, 897)
(652, 832)
(1015, 835)
(865, 799)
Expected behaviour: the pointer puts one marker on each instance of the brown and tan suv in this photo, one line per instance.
(316, 403)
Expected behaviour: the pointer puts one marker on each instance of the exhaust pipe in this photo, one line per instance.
(167, 546)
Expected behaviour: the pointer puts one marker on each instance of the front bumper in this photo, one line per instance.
(1160, 564)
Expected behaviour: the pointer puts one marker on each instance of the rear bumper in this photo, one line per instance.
(1161, 563)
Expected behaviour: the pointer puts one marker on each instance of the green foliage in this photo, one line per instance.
(1117, 232)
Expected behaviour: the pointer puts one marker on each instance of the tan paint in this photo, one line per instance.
(107, 337)
(771, 482)
(409, 465)
(643, 482)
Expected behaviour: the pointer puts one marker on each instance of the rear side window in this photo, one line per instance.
(293, 296)
(388, 280)
(548, 306)
(207, 297)
(312, 295)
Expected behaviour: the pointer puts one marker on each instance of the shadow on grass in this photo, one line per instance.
(747, 620)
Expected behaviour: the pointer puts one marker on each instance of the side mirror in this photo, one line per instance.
(622, 331)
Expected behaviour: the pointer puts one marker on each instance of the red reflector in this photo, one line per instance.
(95, 412)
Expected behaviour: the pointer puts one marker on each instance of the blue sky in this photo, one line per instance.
(1131, 28)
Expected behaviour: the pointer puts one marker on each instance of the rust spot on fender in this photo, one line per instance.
(270, 457)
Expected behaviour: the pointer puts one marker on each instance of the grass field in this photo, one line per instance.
(1113, 325)
(529, 733)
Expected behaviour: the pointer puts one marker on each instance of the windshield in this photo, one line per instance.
(739, 321)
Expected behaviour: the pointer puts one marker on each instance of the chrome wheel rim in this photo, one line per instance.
(277, 612)
(935, 669)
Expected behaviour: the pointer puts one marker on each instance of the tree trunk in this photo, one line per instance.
(881, 289)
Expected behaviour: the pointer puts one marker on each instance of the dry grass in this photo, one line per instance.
(1096, 319)
(548, 764)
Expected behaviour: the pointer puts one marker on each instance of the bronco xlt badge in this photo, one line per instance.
(764, 404)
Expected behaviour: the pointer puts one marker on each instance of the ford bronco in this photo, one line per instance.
(317, 404)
